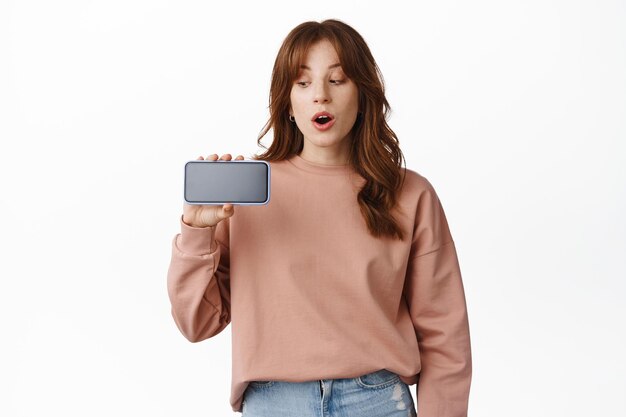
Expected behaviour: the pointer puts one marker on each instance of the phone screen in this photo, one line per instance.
(219, 182)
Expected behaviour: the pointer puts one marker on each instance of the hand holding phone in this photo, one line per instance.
(208, 215)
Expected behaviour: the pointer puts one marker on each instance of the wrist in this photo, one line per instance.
(189, 222)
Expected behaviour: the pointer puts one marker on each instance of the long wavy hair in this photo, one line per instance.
(374, 150)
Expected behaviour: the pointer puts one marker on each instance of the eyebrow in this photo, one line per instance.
(329, 67)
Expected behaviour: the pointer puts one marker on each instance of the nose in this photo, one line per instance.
(320, 94)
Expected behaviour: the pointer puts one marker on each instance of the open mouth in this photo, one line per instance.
(323, 120)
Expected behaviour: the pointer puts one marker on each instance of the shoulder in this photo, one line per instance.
(419, 196)
(430, 226)
(279, 165)
(416, 184)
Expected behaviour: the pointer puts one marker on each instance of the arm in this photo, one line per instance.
(198, 280)
(436, 300)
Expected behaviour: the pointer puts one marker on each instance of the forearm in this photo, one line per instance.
(200, 303)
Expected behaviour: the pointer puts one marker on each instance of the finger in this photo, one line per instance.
(239, 157)
(226, 157)
(212, 157)
(200, 158)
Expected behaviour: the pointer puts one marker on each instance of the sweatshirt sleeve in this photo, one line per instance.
(436, 300)
(198, 280)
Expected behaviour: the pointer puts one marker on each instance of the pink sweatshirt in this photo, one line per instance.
(312, 295)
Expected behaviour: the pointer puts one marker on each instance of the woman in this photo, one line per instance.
(345, 289)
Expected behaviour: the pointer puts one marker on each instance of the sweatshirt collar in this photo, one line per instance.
(318, 168)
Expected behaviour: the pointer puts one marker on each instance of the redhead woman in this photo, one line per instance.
(345, 289)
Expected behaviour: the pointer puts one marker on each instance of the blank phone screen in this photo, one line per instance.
(219, 182)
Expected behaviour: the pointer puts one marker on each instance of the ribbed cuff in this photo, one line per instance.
(196, 240)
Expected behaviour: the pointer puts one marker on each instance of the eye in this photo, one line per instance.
(336, 81)
(302, 83)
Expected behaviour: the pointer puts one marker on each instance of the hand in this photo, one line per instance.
(208, 215)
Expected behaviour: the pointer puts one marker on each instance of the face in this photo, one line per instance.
(322, 89)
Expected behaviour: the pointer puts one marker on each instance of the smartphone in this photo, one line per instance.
(219, 182)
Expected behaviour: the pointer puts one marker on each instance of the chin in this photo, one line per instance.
(324, 142)
(325, 139)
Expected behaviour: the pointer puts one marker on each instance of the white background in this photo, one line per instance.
(514, 110)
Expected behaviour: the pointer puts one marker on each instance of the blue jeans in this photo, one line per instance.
(378, 394)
